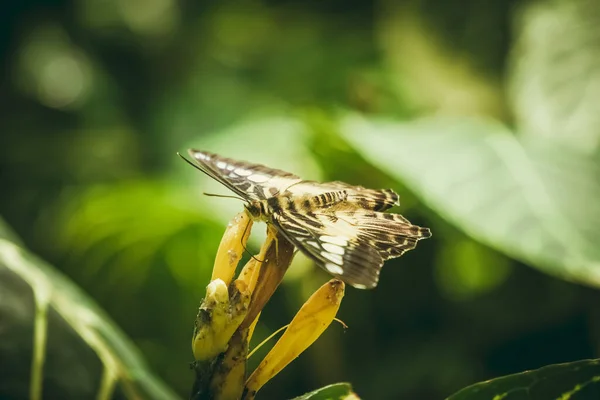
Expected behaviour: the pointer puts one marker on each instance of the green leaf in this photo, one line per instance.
(336, 391)
(7, 234)
(575, 380)
(533, 200)
(135, 225)
(554, 76)
(58, 343)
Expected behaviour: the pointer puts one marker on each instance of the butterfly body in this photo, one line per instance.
(341, 227)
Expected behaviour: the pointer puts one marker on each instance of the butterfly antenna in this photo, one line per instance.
(204, 172)
(223, 195)
(191, 163)
(219, 195)
(197, 167)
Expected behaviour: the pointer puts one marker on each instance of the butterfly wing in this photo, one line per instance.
(370, 199)
(391, 234)
(351, 245)
(247, 180)
(258, 182)
(342, 256)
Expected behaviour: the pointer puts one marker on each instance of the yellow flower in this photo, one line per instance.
(230, 311)
(309, 323)
(231, 249)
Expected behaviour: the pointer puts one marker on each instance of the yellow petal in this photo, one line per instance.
(231, 248)
(308, 324)
(249, 274)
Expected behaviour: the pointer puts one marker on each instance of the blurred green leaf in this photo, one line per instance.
(529, 199)
(419, 42)
(58, 342)
(336, 391)
(7, 234)
(575, 380)
(555, 78)
(131, 225)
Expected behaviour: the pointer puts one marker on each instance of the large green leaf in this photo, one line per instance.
(533, 200)
(336, 391)
(555, 72)
(579, 380)
(57, 342)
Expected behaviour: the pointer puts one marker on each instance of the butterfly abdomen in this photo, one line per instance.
(306, 203)
(320, 201)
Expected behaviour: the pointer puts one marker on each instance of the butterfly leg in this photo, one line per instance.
(244, 237)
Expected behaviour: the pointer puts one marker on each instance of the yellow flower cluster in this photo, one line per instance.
(231, 308)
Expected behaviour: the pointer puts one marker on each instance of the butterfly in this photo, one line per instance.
(341, 227)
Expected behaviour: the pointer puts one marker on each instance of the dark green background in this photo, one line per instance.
(97, 96)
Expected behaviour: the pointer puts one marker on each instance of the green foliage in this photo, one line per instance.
(73, 348)
(336, 391)
(553, 72)
(526, 198)
(170, 231)
(578, 380)
(99, 96)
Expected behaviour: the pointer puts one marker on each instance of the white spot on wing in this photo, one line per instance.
(242, 172)
(334, 258)
(230, 167)
(258, 178)
(333, 248)
(334, 269)
(221, 164)
(338, 240)
(359, 286)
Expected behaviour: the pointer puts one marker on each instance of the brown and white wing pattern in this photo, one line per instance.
(369, 199)
(391, 234)
(258, 182)
(339, 226)
(249, 181)
(351, 245)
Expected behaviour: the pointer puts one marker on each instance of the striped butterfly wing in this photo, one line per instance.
(391, 234)
(247, 180)
(258, 182)
(370, 199)
(351, 245)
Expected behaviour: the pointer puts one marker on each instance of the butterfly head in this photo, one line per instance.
(257, 209)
